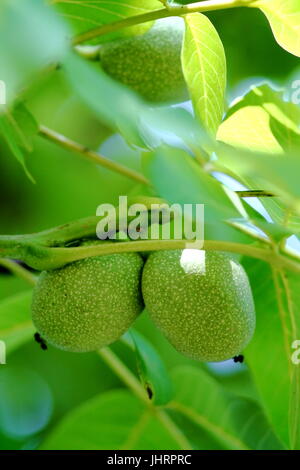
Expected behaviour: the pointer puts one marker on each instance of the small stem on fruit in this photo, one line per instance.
(170, 10)
(90, 155)
(19, 271)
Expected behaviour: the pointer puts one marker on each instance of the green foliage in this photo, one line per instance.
(151, 369)
(18, 126)
(15, 320)
(87, 14)
(33, 36)
(178, 179)
(184, 154)
(204, 68)
(263, 121)
(115, 420)
(236, 422)
(277, 304)
(284, 18)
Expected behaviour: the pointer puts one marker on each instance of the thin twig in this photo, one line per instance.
(122, 371)
(90, 155)
(95, 157)
(170, 10)
(18, 270)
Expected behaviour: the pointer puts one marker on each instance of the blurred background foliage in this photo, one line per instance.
(67, 188)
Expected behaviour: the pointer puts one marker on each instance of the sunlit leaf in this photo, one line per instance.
(204, 68)
(284, 18)
(262, 121)
(276, 173)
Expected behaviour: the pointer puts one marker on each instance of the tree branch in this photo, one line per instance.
(90, 155)
(170, 10)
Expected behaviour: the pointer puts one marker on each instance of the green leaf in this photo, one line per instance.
(277, 173)
(125, 112)
(25, 125)
(294, 411)
(204, 68)
(34, 36)
(174, 126)
(262, 121)
(113, 420)
(18, 127)
(89, 14)
(277, 301)
(16, 327)
(151, 368)
(238, 423)
(284, 18)
(114, 104)
(177, 178)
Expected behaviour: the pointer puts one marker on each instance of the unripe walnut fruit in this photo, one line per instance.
(90, 303)
(149, 64)
(201, 301)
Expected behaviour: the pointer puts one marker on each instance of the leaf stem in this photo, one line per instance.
(173, 429)
(124, 374)
(41, 257)
(67, 255)
(122, 371)
(203, 422)
(170, 10)
(19, 271)
(90, 155)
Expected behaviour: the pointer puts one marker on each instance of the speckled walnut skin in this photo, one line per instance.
(203, 305)
(88, 304)
(149, 64)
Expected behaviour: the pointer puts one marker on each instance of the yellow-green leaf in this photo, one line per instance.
(284, 18)
(204, 68)
(85, 15)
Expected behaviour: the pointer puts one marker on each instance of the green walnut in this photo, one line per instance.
(149, 64)
(201, 301)
(90, 303)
